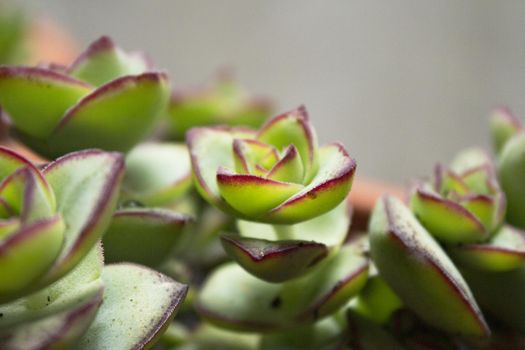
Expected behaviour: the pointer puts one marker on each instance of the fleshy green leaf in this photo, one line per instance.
(27, 254)
(114, 117)
(232, 298)
(504, 251)
(224, 103)
(289, 168)
(253, 196)
(329, 229)
(511, 169)
(484, 209)
(157, 173)
(27, 194)
(274, 261)
(377, 301)
(10, 161)
(293, 128)
(29, 92)
(86, 185)
(138, 304)
(470, 158)
(76, 288)
(447, 220)
(103, 62)
(60, 331)
(329, 187)
(143, 236)
(249, 153)
(210, 148)
(420, 273)
(503, 125)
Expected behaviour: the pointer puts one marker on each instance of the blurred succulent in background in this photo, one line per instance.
(107, 99)
(53, 279)
(461, 204)
(13, 29)
(289, 198)
(223, 103)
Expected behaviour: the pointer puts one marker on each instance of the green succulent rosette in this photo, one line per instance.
(222, 103)
(275, 175)
(461, 204)
(106, 98)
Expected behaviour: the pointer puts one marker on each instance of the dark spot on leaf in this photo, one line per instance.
(1, 314)
(48, 299)
(276, 302)
(312, 195)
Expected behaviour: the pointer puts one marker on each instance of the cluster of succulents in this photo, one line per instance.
(250, 213)
(453, 254)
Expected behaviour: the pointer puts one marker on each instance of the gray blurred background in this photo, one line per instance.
(402, 84)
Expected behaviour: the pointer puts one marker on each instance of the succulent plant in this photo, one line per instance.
(276, 175)
(222, 103)
(53, 279)
(288, 197)
(451, 254)
(106, 98)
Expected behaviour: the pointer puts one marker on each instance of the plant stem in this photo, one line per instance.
(283, 231)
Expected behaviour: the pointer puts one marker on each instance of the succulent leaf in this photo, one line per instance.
(58, 331)
(127, 107)
(447, 220)
(46, 94)
(86, 185)
(504, 251)
(511, 168)
(293, 128)
(419, 271)
(157, 174)
(135, 293)
(274, 261)
(144, 236)
(77, 287)
(22, 259)
(261, 306)
(503, 125)
(103, 61)
(328, 188)
(224, 103)
(377, 301)
(238, 189)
